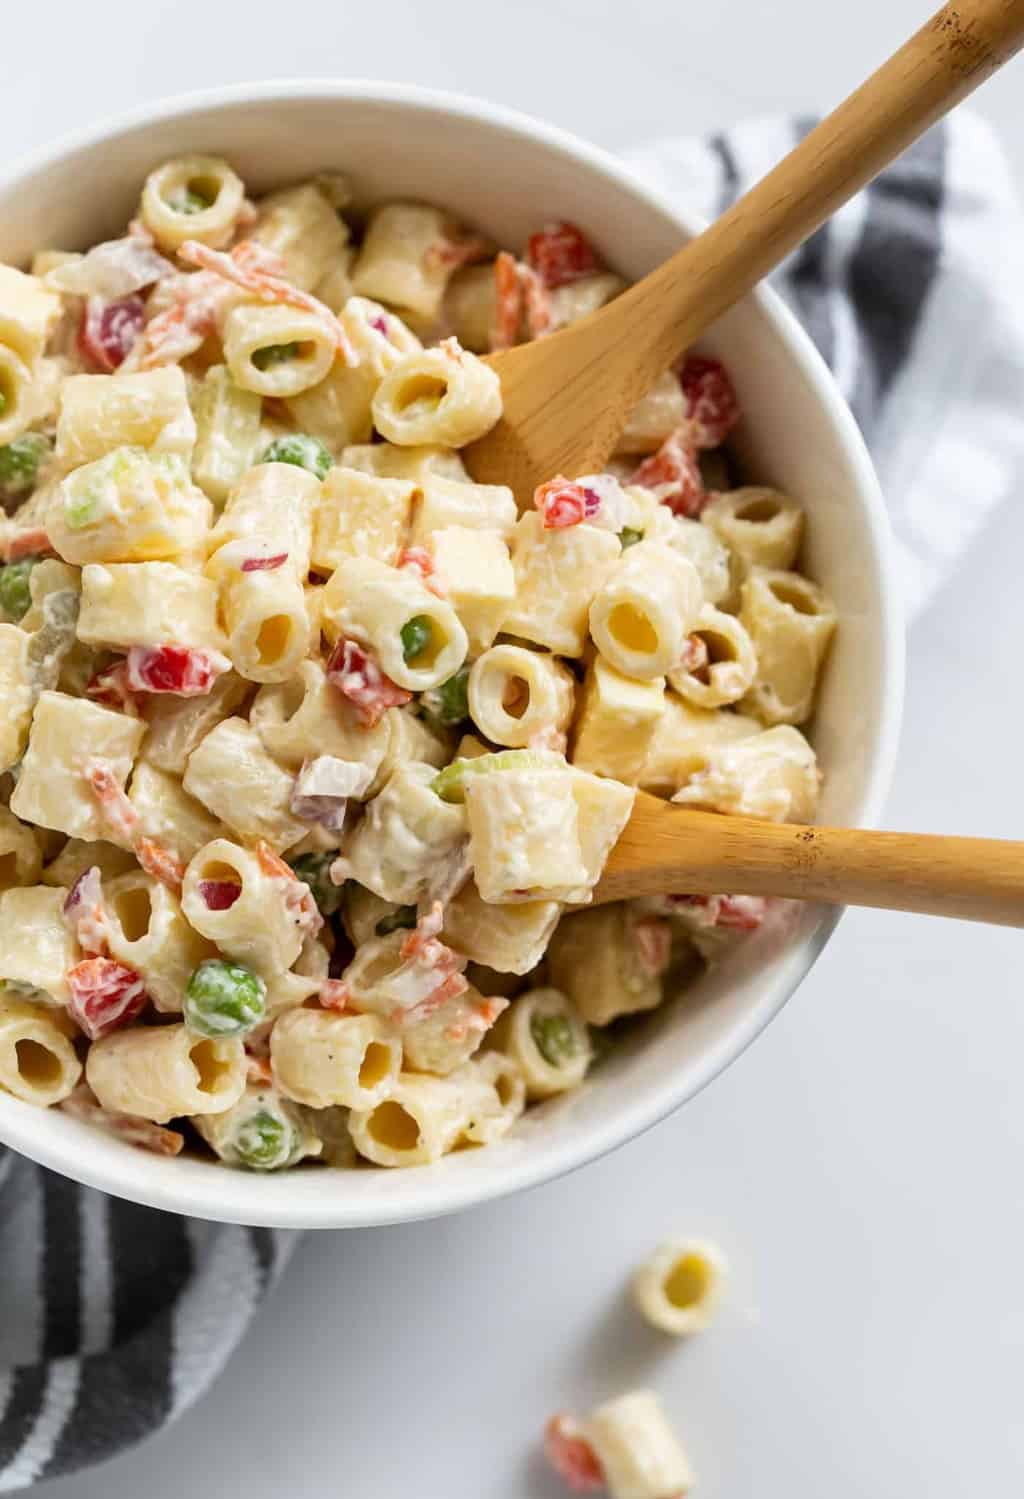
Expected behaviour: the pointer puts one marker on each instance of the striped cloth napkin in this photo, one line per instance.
(113, 1318)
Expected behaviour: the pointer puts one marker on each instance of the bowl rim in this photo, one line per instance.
(210, 1199)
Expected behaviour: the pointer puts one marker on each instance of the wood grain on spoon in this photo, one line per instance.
(667, 850)
(567, 397)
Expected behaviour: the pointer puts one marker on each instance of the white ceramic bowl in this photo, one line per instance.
(510, 174)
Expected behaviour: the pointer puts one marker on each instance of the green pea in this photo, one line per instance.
(265, 1141)
(15, 596)
(192, 202)
(416, 635)
(554, 1039)
(304, 451)
(400, 920)
(629, 536)
(224, 999)
(265, 359)
(314, 870)
(448, 703)
(449, 784)
(19, 464)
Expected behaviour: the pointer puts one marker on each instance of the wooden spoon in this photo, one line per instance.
(667, 849)
(567, 397)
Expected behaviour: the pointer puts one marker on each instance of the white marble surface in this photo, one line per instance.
(861, 1163)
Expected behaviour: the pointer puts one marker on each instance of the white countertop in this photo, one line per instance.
(861, 1163)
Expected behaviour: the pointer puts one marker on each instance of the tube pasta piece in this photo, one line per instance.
(320, 1058)
(448, 1037)
(276, 349)
(417, 637)
(495, 1095)
(699, 545)
(515, 694)
(719, 664)
(409, 738)
(791, 622)
(128, 507)
(679, 1287)
(360, 515)
(444, 501)
(684, 739)
(474, 569)
(470, 307)
(177, 725)
(642, 615)
(638, 1452)
(442, 395)
(334, 288)
(36, 945)
(227, 433)
(595, 961)
(578, 299)
(762, 526)
(558, 573)
(547, 1040)
(655, 417)
(773, 775)
(192, 197)
(17, 402)
(165, 1072)
(261, 1132)
(167, 813)
(406, 257)
(305, 717)
(338, 409)
(617, 722)
(406, 833)
(406, 975)
(17, 694)
(29, 311)
(37, 1060)
(418, 1123)
(99, 413)
(53, 788)
(508, 938)
(258, 926)
(233, 776)
(147, 603)
(148, 933)
(260, 557)
(301, 227)
(20, 853)
(266, 621)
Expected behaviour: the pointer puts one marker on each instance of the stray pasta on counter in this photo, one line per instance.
(312, 749)
(625, 1448)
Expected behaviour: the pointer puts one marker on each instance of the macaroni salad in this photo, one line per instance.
(312, 748)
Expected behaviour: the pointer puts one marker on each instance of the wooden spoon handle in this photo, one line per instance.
(651, 324)
(677, 849)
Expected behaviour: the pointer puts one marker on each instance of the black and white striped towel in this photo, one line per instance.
(113, 1318)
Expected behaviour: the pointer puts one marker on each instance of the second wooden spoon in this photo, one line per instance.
(567, 397)
(667, 850)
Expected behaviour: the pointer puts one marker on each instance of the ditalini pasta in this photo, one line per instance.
(678, 1289)
(313, 749)
(625, 1447)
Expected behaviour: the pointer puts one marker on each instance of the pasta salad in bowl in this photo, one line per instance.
(313, 749)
